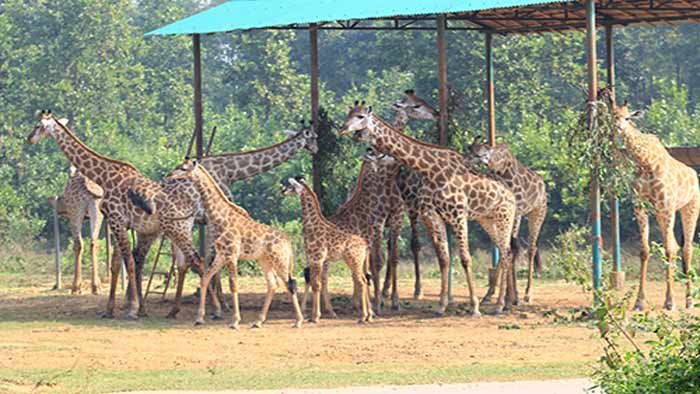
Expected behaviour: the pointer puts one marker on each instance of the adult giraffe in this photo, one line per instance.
(451, 190)
(117, 178)
(669, 186)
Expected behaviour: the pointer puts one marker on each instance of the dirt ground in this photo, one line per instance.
(43, 331)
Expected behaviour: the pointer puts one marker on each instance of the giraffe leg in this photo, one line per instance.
(500, 232)
(307, 286)
(123, 243)
(534, 225)
(666, 219)
(115, 267)
(689, 219)
(181, 274)
(143, 246)
(462, 235)
(643, 222)
(316, 267)
(415, 250)
(512, 289)
(359, 277)
(95, 225)
(204, 285)
(78, 256)
(325, 294)
(394, 264)
(376, 264)
(271, 288)
(435, 227)
(233, 286)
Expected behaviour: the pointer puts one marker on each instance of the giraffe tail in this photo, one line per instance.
(291, 282)
(141, 201)
(368, 273)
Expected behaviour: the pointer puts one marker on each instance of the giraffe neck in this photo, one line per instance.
(645, 152)
(420, 156)
(237, 166)
(400, 120)
(356, 191)
(106, 172)
(213, 198)
(311, 215)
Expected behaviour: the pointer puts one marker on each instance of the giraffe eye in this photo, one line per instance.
(360, 116)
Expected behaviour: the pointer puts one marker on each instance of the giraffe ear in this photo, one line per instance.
(638, 114)
(369, 109)
(63, 121)
(289, 133)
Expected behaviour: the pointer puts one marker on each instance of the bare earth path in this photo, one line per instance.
(568, 386)
(51, 342)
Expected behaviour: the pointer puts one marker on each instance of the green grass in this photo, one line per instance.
(99, 381)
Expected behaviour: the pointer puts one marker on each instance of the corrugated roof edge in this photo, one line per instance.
(164, 30)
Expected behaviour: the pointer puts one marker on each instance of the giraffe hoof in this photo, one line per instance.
(313, 320)
(233, 326)
(669, 306)
(297, 324)
(438, 314)
(95, 290)
(418, 295)
(107, 315)
(75, 291)
(215, 316)
(257, 324)
(689, 304)
(516, 302)
(486, 299)
(331, 315)
(527, 299)
(142, 313)
(131, 316)
(396, 307)
(199, 322)
(361, 321)
(475, 314)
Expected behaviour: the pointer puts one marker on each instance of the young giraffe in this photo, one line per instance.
(117, 178)
(234, 235)
(82, 197)
(451, 190)
(669, 186)
(530, 197)
(326, 242)
(228, 168)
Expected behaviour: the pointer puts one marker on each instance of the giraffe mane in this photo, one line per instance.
(317, 205)
(414, 140)
(298, 135)
(352, 200)
(82, 144)
(221, 193)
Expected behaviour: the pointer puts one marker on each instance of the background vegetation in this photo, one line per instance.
(130, 97)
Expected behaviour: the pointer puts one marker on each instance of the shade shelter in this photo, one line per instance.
(492, 17)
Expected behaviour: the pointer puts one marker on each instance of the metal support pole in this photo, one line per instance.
(198, 123)
(315, 162)
(617, 276)
(442, 77)
(444, 116)
(592, 96)
(57, 239)
(491, 103)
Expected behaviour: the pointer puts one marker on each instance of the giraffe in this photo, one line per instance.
(228, 168)
(669, 186)
(410, 183)
(530, 197)
(117, 178)
(326, 242)
(451, 190)
(233, 235)
(82, 197)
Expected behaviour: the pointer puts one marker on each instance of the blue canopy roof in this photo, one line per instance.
(261, 14)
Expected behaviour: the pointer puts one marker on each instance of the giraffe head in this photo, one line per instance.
(358, 120)
(377, 159)
(48, 127)
(415, 107)
(187, 169)
(624, 117)
(308, 134)
(294, 186)
(495, 157)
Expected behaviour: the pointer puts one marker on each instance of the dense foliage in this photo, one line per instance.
(130, 97)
